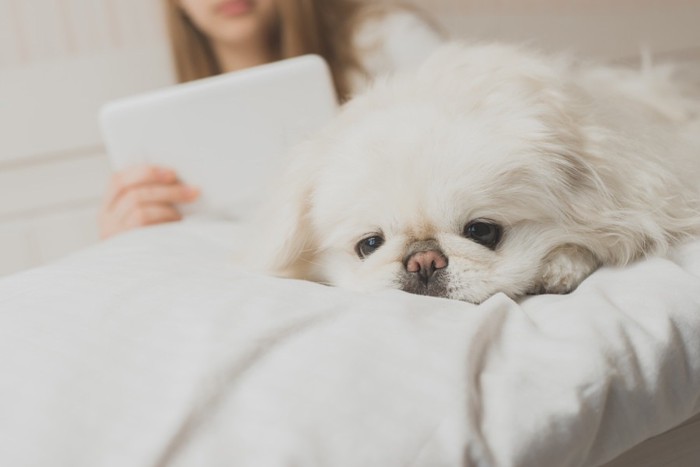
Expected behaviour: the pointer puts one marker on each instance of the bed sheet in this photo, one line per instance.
(155, 349)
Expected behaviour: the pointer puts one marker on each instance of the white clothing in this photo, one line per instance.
(396, 42)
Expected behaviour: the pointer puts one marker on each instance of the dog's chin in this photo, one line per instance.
(445, 284)
(440, 288)
(560, 278)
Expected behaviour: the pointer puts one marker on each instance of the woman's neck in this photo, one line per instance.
(240, 56)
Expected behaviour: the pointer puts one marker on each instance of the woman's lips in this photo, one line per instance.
(234, 7)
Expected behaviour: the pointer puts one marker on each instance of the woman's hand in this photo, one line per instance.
(141, 196)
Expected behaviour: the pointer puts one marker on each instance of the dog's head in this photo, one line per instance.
(461, 181)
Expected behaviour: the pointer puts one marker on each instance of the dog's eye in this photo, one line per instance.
(367, 246)
(484, 232)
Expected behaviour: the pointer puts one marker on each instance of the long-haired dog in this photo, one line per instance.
(491, 169)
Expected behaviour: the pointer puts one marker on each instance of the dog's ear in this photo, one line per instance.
(620, 217)
(284, 242)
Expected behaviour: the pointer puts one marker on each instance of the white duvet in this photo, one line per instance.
(154, 349)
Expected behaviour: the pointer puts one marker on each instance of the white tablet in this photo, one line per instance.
(224, 134)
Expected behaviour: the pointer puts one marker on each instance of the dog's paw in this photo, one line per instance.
(563, 270)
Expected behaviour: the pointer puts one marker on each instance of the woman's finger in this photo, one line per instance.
(150, 214)
(127, 179)
(165, 194)
(112, 222)
(138, 196)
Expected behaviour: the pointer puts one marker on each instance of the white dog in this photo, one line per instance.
(491, 169)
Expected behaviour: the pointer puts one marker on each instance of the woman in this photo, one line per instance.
(208, 37)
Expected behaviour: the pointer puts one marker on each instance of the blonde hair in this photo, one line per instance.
(323, 27)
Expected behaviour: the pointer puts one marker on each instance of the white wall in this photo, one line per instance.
(60, 60)
(599, 28)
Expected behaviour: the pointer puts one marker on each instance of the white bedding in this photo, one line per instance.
(154, 349)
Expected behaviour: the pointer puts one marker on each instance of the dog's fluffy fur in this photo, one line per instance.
(579, 165)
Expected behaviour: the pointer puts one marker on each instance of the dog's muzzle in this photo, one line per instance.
(424, 269)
